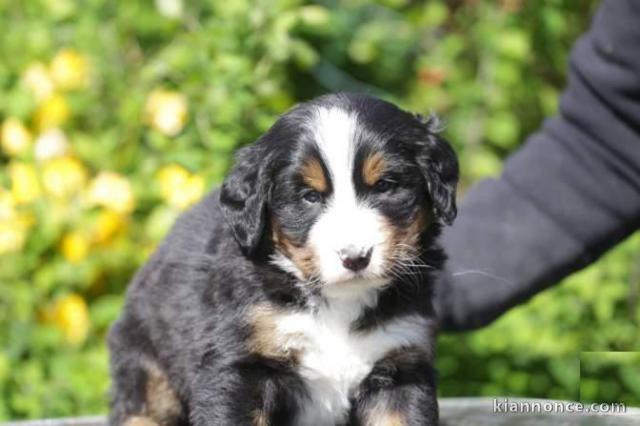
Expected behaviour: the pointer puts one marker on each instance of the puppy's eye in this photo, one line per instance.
(312, 197)
(383, 185)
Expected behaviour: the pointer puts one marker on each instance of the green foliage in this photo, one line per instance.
(610, 377)
(535, 350)
(117, 115)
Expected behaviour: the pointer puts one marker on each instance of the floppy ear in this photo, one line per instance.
(244, 195)
(439, 166)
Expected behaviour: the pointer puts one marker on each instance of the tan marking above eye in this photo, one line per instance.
(313, 175)
(373, 168)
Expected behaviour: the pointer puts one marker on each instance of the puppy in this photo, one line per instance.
(300, 292)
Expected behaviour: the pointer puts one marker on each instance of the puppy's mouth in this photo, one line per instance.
(353, 276)
(355, 287)
(363, 278)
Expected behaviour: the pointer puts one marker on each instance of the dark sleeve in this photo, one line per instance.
(568, 195)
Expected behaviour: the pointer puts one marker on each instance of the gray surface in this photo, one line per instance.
(453, 412)
(480, 412)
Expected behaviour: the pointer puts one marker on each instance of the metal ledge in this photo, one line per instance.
(453, 412)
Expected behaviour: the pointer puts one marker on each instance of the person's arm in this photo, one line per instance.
(567, 196)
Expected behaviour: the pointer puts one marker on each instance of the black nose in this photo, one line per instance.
(355, 260)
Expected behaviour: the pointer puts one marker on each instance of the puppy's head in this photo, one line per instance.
(344, 186)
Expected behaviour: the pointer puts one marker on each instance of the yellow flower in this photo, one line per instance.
(171, 176)
(37, 80)
(15, 136)
(108, 224)
(53, 112)
(71, 316)
(12, 236)
(171, 9)
(25, 186)
(50, 144)
(64, 176)
(190, 193)
(13, 228)
(7, 205)
(74, 246)
(166, 111)
(113, 191)
(69, 70)
(178, 187)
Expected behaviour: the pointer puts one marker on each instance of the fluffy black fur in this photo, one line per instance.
(179, 351)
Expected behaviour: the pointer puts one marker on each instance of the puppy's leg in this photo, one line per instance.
(400, 391)
(141, 394)
(250, 392)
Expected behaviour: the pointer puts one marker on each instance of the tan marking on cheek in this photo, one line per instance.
(373, 168)
(313, 175)
(265, 338)
(161, 402)
(418, 225)
(404, 242)
(302, 256)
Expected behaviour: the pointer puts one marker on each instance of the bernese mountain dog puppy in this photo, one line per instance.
(299, 293)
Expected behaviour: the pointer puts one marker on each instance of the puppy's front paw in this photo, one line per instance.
(139, 421)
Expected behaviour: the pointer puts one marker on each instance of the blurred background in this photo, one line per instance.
(116, 116)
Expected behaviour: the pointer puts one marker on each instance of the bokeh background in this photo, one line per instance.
(116, 116)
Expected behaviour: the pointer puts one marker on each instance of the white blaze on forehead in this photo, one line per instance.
(334, 132)
(345, 223)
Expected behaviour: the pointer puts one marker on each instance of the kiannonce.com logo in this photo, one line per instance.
(504, 405)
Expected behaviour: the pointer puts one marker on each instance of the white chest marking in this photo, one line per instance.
(334, 360)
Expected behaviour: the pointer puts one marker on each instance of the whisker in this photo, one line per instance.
(484, 273)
